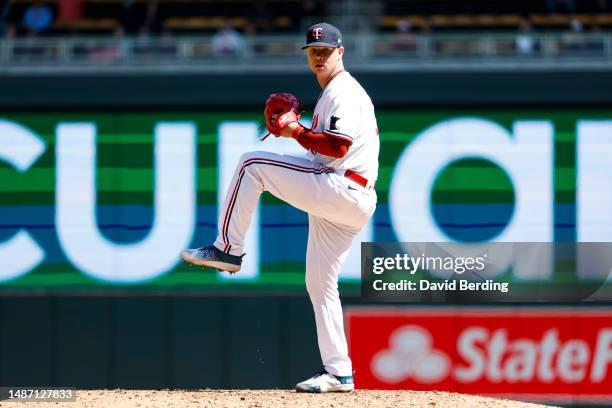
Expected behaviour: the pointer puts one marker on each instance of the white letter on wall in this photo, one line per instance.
(526, 158)
(236, 138)
(19, 147)
(594, 198)
(594, 184)
(174, 201)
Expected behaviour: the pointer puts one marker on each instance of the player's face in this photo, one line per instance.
(323, 60)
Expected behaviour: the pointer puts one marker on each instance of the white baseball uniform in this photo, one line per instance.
(337, 206)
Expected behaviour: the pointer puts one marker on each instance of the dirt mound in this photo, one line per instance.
(278, 398)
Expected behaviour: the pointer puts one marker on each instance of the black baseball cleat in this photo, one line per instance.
(212, 257)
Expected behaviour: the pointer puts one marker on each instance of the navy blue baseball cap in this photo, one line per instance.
(323, 35)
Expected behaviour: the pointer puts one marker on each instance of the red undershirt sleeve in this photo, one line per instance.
(323, 143)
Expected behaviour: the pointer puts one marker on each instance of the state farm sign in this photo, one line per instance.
(545, 353)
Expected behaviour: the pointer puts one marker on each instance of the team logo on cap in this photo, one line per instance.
(317, 33)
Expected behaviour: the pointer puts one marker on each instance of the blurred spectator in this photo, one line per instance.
(556, 6)
(227, 41)
(573, 40)
(403, 40)
(37, 18)
(525, 42)
(576, 26)
(70, 11)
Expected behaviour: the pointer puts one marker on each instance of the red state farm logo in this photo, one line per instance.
(317, 33)
(492, 356)
(411, 356)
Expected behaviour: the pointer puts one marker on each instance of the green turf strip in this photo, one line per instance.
(466, 196)
(195, 276)
(133, 155)
(107, 179)
(134, 180)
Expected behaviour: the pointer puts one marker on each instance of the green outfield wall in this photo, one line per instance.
(472, 195)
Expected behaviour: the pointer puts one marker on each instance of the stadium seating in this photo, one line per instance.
(179, 16)
(441, 22)
(105, 17)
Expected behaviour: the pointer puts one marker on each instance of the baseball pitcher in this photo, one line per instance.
(335, 186)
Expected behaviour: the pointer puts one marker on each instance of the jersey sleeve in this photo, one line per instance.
(343, 119)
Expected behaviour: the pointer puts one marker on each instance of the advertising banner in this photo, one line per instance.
(551, 354)
(105, 201)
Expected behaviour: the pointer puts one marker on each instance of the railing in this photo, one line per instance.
(284, 52)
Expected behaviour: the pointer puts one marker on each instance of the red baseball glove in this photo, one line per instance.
(281, 109)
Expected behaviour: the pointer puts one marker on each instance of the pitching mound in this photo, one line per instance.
(279, 398)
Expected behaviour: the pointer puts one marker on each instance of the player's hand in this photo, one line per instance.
(287, 130)
(282, 109)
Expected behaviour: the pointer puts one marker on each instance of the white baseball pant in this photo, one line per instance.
(336, 213)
